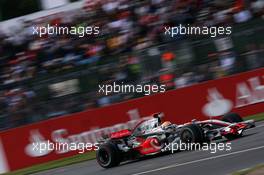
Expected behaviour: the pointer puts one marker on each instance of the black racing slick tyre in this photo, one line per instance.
(232, 118)
(108, 155)
(192, 134)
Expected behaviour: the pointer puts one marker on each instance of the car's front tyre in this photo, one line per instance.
(232, 118)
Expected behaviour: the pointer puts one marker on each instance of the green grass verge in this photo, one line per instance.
(250, 170)
(81, 158)
(54, 164)
(257, 117)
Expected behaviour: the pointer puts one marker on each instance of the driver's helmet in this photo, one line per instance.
(165, 124)
(158, 116)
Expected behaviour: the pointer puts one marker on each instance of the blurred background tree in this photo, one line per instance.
(15, 8)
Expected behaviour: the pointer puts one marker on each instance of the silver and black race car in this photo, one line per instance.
(153, 136)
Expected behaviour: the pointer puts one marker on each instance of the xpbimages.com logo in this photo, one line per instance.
(198, 30)
(212, 147)
(79, 31)
(130, 88)
(40, 146)
(43, 147)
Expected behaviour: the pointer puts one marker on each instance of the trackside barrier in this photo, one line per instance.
(242, 93)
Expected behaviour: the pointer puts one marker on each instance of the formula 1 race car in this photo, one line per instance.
(151, 137)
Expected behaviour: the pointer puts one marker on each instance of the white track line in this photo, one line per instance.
(259, 126)
(199, 160)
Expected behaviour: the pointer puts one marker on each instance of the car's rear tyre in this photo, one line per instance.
(192, 134)
(108, 155)
(232, 118)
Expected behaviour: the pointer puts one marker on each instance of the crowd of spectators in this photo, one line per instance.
(125, 27)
